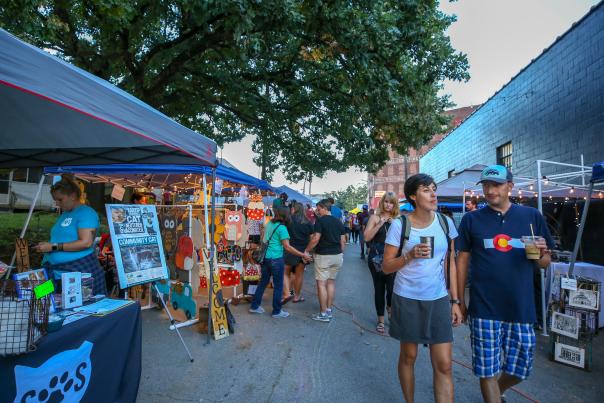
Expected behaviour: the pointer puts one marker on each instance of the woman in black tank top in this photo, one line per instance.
(375, 236)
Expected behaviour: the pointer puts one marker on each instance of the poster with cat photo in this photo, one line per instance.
(137, 243)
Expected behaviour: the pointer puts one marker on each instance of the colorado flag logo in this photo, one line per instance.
(503, 243)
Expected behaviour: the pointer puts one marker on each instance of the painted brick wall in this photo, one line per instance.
(552, 110)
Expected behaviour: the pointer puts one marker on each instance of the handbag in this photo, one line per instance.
(377, 261)
(259, 254)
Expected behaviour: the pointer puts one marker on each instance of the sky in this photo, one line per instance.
(499, 38)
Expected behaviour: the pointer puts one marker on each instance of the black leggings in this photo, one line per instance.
(382, 284)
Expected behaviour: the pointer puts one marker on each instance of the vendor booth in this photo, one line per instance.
(55, 114)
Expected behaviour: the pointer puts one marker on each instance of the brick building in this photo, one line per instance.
(553, 109)
(391, 178)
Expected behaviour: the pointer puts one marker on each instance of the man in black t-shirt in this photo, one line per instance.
(328, 240)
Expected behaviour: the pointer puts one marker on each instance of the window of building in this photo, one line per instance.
(504, 155)
(390, 170)
(451, 173)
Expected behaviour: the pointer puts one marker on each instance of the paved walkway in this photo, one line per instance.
(299, 360)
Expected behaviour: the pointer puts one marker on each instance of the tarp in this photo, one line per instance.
(158, 175)
(293, 195)
(597, 172)
(54, 113)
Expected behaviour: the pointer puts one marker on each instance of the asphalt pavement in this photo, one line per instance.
(297, 359)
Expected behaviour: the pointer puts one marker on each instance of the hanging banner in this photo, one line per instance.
(137, 244)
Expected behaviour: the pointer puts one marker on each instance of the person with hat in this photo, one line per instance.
(502, 305)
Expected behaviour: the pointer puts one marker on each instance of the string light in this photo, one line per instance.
(545, 181)
(572, 190)
(531, 187)
(600, 195)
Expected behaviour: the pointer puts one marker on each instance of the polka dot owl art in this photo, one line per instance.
(255, 208)
(234, 225)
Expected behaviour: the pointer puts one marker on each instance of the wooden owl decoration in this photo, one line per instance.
(234, 225)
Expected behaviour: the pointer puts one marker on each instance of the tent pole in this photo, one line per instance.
(581, 228)
(212, 251)
(539, 188)
(463, 204)
(26, 224)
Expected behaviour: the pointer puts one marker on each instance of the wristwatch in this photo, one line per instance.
(455, 301)
(54, 247)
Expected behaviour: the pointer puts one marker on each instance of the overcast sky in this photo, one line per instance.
(499, 38)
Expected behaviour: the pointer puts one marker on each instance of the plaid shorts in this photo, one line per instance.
(503, 346)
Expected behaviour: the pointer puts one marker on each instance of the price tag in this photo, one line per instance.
(568, 283)
(118, 192)
(44, 289)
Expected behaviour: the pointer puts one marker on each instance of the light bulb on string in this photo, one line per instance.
(600, 195)
(545, 180)
(531, 187)
(572, 190)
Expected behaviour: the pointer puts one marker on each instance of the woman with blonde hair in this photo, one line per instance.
(375, 236)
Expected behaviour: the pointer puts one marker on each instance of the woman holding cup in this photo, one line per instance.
(423, 311)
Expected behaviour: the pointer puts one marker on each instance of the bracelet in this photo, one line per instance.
(61, 246)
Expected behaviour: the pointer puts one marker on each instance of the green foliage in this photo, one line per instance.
(321, 85)
(350, 197)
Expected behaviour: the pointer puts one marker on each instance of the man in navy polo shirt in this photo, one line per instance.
(502, 304)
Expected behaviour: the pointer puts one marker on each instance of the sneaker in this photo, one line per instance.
(321, 317)
(282, 314)
(329, 313)
(257, 310)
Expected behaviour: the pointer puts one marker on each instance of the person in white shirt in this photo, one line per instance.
(423, 312)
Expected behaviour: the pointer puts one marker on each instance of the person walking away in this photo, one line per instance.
(335, 210)
(502, 306)
(363, 218)
(375, 235)
(328, 240)
(346, 222)
(355, 227)
(278, 240)
(420, 250)
(300, 230)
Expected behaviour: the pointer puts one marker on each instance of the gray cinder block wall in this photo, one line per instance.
(552, 110)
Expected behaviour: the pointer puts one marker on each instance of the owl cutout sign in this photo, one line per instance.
(234, 225)
(255, 208)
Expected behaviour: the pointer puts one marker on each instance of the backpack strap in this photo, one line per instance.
(444, 224)
(405, 231)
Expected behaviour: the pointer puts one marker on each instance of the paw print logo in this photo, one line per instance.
(62, 378)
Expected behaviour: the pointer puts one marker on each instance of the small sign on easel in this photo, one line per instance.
(567, 283)
(219, 318)
(22, 255)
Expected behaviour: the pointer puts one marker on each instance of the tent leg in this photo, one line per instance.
(212, 251)
(26, 224)
(543, 307)
(581, 228)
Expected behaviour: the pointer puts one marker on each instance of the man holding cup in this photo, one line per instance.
(504, 242)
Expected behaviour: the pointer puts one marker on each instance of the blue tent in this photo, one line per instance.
(293, 195)
(54, 113)
(158, 175)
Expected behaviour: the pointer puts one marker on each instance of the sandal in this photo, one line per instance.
(380, 327)
(286, 300)
(300, 299)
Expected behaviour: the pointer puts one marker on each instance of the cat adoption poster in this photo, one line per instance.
(137, 245)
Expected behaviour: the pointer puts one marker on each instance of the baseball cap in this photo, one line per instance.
(365, 207)
(496, 173)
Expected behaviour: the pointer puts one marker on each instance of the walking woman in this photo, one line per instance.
(423, 311)
(300, 229)
(375, 236)
(277, 237)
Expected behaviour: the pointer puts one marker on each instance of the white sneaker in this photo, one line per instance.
(257, 310)
(329, 313)
(321, 317)
(282, 314)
